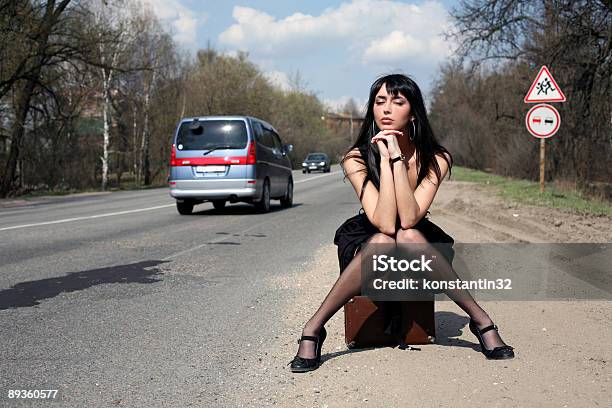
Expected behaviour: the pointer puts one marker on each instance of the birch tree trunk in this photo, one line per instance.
(106, 77)
(144, 147)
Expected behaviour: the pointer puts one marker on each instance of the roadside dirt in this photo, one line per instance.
(562, 353)
(490, 217)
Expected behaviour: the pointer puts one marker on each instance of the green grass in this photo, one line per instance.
(528, 192)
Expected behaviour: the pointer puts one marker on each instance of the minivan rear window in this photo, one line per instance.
(207, 134)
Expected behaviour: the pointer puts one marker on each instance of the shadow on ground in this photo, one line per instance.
(27, 294)
(449, 326)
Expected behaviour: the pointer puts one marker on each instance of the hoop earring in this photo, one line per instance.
(413, 135)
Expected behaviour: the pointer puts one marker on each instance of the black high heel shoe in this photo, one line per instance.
(497, 353)
(301, 364)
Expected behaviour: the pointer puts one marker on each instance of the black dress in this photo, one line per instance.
(358, 229)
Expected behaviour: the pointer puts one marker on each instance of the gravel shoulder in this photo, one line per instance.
(562, 359)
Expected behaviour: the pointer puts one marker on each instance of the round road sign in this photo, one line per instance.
(542, 121)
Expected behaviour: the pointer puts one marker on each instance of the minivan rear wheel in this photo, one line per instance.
(185, 207)
(219, 204)
(263, 205)
(287, 200)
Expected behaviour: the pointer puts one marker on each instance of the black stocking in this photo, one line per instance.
(347, 286)
(443, 271)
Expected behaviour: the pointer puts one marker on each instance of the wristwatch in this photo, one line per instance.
(398, 158)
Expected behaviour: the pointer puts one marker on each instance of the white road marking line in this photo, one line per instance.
(87, 217)
(176, 254)
(273, 218)
(316, 177)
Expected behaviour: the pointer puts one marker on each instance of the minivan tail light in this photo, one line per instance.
(173, 156)
(251, 157)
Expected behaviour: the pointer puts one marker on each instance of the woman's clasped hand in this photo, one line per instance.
(390, 148)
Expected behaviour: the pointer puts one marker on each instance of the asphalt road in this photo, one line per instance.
(114, 299)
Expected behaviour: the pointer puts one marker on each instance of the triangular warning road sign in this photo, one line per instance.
(544, 89)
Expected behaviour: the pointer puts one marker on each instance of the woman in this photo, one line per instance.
(395, 151)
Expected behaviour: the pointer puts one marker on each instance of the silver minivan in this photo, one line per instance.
(229, 158)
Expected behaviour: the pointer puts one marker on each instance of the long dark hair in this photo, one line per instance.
(426, 145)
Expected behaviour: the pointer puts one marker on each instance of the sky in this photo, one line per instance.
(338, 47)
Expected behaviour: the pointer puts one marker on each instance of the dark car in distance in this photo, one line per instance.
(316, 162)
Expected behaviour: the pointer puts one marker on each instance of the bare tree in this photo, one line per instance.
(49, 16)
(110, 28)
(573, 38)
(350, 108)
(84, 84)
(154, 50)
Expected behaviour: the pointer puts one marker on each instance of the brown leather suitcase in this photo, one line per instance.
(370, 323)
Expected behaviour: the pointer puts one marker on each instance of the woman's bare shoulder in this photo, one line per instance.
(443, 159)
(441, 156)
(354, 152)
(353, 161)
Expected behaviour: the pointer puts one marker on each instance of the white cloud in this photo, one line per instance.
(279, 79)
(395, 46)
(374, 31)
(184, 22)
(185, 26)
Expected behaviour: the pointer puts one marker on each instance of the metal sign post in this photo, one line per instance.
(542, 161)
(543, 120)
